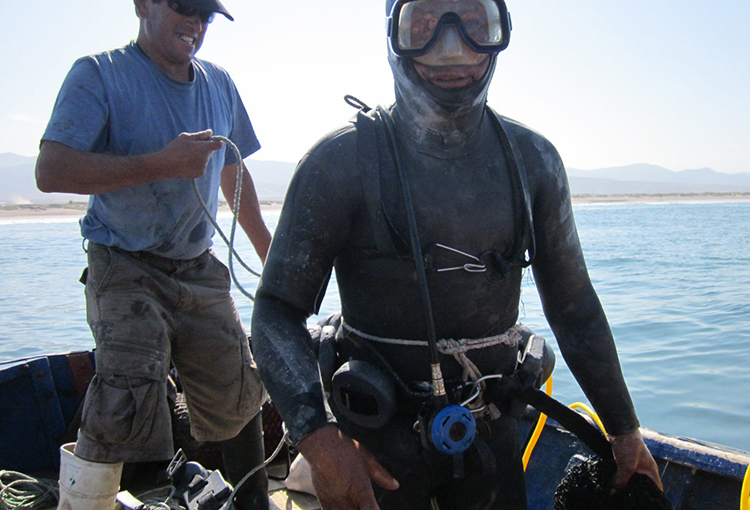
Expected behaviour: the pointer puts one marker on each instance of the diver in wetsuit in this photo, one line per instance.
(478, 225)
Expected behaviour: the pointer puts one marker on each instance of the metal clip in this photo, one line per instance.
(176, 465)
(477, 267)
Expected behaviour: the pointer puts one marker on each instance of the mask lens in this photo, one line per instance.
(420, 21)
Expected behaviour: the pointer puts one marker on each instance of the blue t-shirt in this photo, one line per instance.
(121, 103)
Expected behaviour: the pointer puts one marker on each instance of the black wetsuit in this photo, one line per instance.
(464, 197)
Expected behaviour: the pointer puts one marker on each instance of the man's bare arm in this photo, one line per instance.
(62, 169)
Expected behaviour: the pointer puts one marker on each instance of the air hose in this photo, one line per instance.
(270, 459)
(438, 384)
(450, 428)
(591, 413)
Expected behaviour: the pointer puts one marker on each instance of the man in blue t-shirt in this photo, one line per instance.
(134, 128)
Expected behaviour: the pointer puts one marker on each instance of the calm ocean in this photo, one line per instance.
(674, 280)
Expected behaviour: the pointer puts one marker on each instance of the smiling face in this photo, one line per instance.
(451, 64)
(453, 76)
(168, 38)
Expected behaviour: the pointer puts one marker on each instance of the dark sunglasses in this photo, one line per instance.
(206, 17)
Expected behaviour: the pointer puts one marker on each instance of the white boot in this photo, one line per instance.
(86, 485)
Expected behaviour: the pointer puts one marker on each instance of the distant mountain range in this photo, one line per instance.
(19, 184)
(272, 178)
(648, 179)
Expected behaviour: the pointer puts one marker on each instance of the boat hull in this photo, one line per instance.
(41, 401)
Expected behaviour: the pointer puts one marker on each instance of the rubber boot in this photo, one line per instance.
(86, 485)
(242, 454)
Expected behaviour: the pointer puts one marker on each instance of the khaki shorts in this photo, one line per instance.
(145, 311)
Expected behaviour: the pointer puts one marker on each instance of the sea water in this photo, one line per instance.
(674, 280)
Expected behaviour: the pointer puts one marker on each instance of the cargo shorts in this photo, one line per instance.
(147, 312)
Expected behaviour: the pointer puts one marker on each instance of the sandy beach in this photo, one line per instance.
(79, 208)
(667, 198)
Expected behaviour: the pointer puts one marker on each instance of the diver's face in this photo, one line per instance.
(451, 63)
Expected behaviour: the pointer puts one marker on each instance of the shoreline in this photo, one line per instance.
(661, 198)
(79, 208)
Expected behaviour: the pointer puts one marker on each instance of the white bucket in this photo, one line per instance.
(86, 485)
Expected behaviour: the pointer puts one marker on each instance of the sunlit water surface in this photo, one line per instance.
(674, 280)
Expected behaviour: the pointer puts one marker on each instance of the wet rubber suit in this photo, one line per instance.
(464, 197)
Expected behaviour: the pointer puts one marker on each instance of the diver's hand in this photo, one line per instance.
(632, 456)
(342, 470)
(186, 156)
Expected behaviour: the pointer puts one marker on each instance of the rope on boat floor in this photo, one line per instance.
(22, 492)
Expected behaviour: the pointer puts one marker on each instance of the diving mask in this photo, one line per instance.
(414, 26)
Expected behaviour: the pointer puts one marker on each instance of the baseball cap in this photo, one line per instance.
(208, 6)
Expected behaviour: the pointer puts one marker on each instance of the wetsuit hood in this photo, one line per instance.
(425, 110)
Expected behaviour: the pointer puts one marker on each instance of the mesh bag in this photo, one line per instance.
(586, 486)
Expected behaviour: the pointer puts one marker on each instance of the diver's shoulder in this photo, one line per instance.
(336, 144)
(535, 147)
(333, 155)
(521, 130)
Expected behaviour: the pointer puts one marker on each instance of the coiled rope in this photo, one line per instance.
(230, 242)
(23, 492)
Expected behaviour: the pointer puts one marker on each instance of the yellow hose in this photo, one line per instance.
(538, 429)
(590, 412)
(580, 405)
(745, 492)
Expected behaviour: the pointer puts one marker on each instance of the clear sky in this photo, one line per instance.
(610, 83)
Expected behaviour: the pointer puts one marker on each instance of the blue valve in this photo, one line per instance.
(453, 430)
